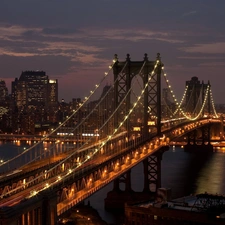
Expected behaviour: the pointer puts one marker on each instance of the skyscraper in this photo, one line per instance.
(3, 91)
(34, 89)
(35, 99)
(168, 104)
(195, 95)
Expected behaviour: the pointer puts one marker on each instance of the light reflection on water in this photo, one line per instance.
(211, 178)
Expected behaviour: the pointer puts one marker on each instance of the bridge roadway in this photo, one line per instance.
(109, 167)
(45, 164)
(37, 138)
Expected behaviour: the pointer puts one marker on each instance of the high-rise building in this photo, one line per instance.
(168, 104)
(3, 91)
(34, 89)
(4, 102)
(167, 96)
(52, 92)
(195, 95)
(35, 99)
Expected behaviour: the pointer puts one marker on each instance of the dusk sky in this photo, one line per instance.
(74, 41)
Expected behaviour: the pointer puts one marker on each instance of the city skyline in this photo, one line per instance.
(75, 42)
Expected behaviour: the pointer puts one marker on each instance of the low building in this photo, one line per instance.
(191, 210)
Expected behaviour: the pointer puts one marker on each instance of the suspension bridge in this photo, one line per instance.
(104, 137)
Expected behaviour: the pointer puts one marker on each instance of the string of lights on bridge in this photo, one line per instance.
(109, 137)
(178, 105)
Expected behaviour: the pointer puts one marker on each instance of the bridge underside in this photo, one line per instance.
(117, 198)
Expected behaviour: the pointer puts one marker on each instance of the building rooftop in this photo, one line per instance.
(198, 203)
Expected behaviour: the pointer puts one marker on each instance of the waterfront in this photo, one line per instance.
(183, 172)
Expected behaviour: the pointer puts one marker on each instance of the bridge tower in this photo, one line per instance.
(124, 72)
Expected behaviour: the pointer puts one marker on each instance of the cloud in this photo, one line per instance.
(213, 64)
(201, 57)
(59, 30)
(189, 13)
(79, 45)
(132, 35)
(210, 48)
(19, 41)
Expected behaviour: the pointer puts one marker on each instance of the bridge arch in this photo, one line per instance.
(124, 72)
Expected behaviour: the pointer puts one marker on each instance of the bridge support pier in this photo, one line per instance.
(49, 210)
(152, 173)
(117, 198)
(39, 211)
(202, 144)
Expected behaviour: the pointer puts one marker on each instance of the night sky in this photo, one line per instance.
(74, 41)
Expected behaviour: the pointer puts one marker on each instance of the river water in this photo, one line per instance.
(183, 172)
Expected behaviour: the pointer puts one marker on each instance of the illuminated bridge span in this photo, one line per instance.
(131, 122)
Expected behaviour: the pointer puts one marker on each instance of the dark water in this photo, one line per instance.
(183, 172)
